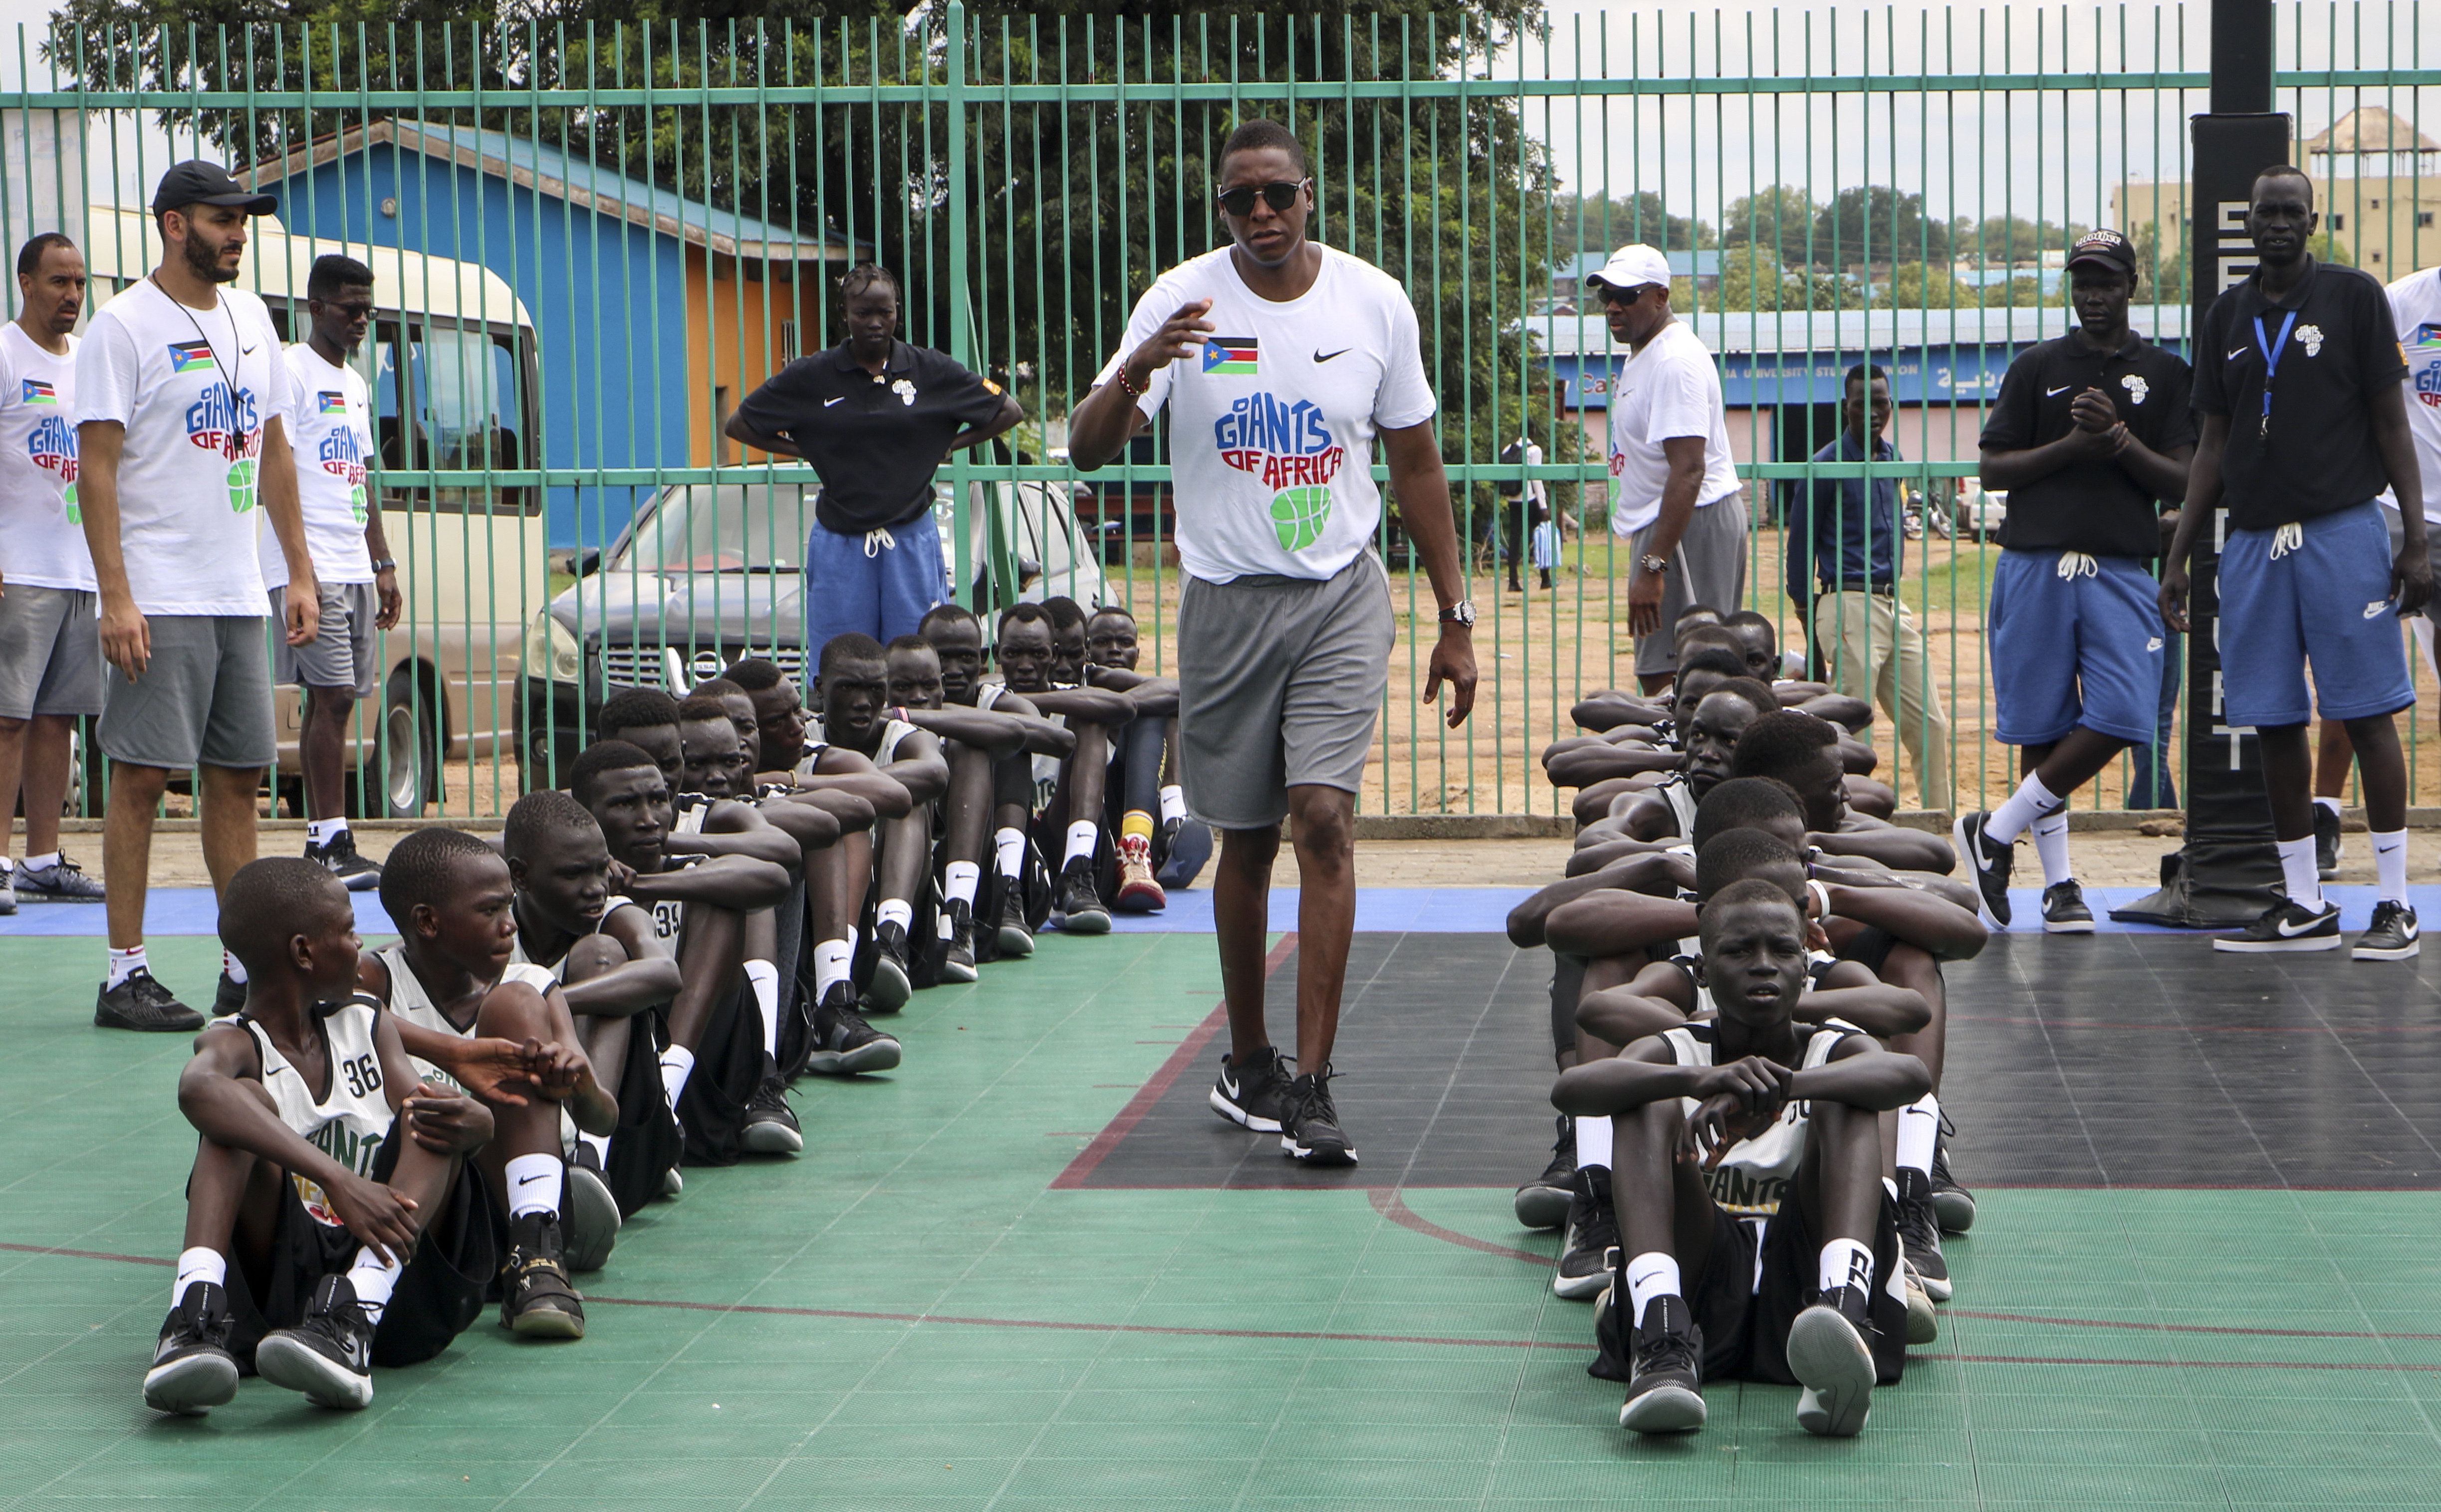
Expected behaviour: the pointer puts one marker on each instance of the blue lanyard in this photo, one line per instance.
(2271, 350)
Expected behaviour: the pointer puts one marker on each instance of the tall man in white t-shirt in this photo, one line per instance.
(332, 440)
(1674, 486)
(180, 392)
(1282, 360)
(50, 658)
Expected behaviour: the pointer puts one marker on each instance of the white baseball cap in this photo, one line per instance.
(1632, 267)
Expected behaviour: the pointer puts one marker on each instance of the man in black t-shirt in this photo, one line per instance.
(2090, 436)
(2298, 376)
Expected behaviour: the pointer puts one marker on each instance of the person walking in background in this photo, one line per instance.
(1843, 567)
(877, 418)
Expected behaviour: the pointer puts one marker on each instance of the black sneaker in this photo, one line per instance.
(844, 1044)
(1016, 935)
(142, 1003)
(1831, 1354)
(62, 881)
(1077, 901)
(1923, 1319)
(193, 1370)
(2064, 909)
(771, 1127)
(1988, 861)
(2392, 935)
(2328, 843)
(1587, 1245)
(1662, 1395)
(330, 1355)
(892, 982)
(2287, 925)
(536, 1302)
(338, 855)
(1309, 1128)
(1542, 1203)
(228, 996)
(958, 958)
(589, 1228)
(1951, 1203)
(1919, 1233)
(1251, 1095)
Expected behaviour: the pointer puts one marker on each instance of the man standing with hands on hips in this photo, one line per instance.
(1282, 361)
(180, 391)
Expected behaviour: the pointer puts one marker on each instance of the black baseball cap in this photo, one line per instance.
(2104, 245)
(196, 182)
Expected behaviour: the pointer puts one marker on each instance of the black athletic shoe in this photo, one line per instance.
(2328, 843)
(536, 1302)
(771, 1127)
(1077, 901)
(1923, 1319)
(142, 1003)
(339, 856)
(1251, 1095)
(892, 982)
(1988, 861)
(228, 996)
(2287, 925)
(1586, 1249)
(958, 959)
(1542, 1203)
(330, 1355)
(1309, 1128)
(1919, 1233)
(1663, 1395)
(193, 1370)
(844, 1044)
(1016, 935)
(2064, 909)
(2392, 935)
(62, 881)
(589, 1228)
(1831, 1354)
(1951, 1203)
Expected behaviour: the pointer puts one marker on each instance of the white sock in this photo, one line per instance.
(36, 863)
(834, 961)
(235, 968)
(1919, 1130)
(2027, 803)
(1009, 849)
(2050, 847)
(1651, 1275)
(199, 1264)
(8, 866)
(598, 1143)
(764, 979)
(2303, 878)
(534, 1184)
(895, 910)
(2390, 866)
(964, 879)
(1846, 1263)
(678, 1063)
(322, 832)
(1593, 1142)
(2332, 804)
(1082, 837)
(125, 964)
(1173, 802)
(373, 1282)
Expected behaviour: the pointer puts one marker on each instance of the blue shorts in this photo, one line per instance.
(2320, 595)
(2075, 639)
(861, 582)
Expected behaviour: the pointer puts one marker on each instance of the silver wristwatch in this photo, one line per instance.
(1462, 612)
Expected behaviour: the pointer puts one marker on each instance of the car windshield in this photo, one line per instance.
(722, 528)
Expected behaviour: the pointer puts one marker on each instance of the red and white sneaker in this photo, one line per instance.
(1138, 893)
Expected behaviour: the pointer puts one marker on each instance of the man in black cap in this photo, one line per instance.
(182, 402)
(2091, 437)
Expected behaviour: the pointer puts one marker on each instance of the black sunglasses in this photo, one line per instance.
(1280, 195)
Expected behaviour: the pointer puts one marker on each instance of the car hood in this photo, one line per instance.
(619, 607)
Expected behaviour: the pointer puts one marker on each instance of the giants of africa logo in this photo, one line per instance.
(1290, 449)
(226, 423)
(2425, 352)
(342, 458)
(52, 447)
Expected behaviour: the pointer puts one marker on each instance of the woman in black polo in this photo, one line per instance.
(877, 418)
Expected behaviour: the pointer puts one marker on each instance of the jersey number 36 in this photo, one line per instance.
(362, 1074)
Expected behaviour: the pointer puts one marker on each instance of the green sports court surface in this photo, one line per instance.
(1019, 1273)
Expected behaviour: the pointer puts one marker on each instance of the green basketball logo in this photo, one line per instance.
(240, 486)
(75, 515)
(1299, 513)
(356, 502)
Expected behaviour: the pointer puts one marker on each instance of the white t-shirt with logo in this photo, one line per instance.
(2415, 301)
(194, 389)
(42, 540)
(1273, 426)
(1666, 392)
(333, 438)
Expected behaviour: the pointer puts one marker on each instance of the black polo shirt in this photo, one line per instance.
(874, 438)
(2319, 456)
(2094, 506)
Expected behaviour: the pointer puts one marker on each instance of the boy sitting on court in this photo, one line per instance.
(1069, 792)
(1175, 845)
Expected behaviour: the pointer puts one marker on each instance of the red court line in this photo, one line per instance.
(88, 1255)
(1388, 1202)
(2173, 1328)
(2196, 1029)
(1189, 1050)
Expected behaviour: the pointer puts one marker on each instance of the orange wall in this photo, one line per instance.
(733, 342)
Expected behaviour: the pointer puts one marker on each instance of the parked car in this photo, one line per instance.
(708, 572)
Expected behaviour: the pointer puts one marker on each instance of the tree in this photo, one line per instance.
(1779, 220)
(1876, 224)
(1918, 286)
(1598, 225)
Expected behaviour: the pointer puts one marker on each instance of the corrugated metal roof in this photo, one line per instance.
(1855, 331)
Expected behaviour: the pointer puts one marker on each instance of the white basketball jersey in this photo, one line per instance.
(350, 1119)
(1681, 799)
(1754, 1173)
(409, 1003)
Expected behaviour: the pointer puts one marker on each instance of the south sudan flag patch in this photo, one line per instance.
(1230, 355)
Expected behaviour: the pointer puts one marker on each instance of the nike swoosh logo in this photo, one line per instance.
(1320, 355)
(529, 1181)
(1229, 1088)
(2053, 394)
(247, 352)
(2373, 609)
(828, 403)
(2234, 355)
(2316, 922)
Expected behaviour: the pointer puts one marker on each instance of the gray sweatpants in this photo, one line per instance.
(1708, 568)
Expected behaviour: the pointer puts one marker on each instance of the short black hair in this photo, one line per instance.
(714, 688)
(699, 709)
(1065, 613)
(547, 811)
(1113, 609)
(1751, 889)
(332, 272)
(1743, 802)
(426, 867)
(1026, 612)
(272, 900)
(908, 643)
(606, 756)
(29, 257)
(853, 645)
(954, 613)
(2282, 171)
(1711, 658)
(1863, 372)
(1692, 610)
(1255, 136)
(1718, 633)
(1734, 856)
(637, 709)
(1780, 740)
(1752, 617)
(754, 673)
(1753, 690)
(864, 276)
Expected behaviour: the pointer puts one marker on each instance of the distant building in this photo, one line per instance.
(1569, 295)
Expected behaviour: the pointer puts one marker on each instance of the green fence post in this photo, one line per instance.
(962, 320)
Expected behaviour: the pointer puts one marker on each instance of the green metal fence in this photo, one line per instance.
(590, 242)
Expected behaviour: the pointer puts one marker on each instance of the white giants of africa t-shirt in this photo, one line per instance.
(1666, 392)
(330, 432)
(2415, 301)
(1272, 428)
(194, 389)
(42, 540)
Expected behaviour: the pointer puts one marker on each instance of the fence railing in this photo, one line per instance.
(592, 242)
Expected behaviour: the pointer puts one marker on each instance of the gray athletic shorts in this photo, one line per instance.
(1710, 567)
(50, 652)
(341, 653)
(1280, 682)
(204, 697)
